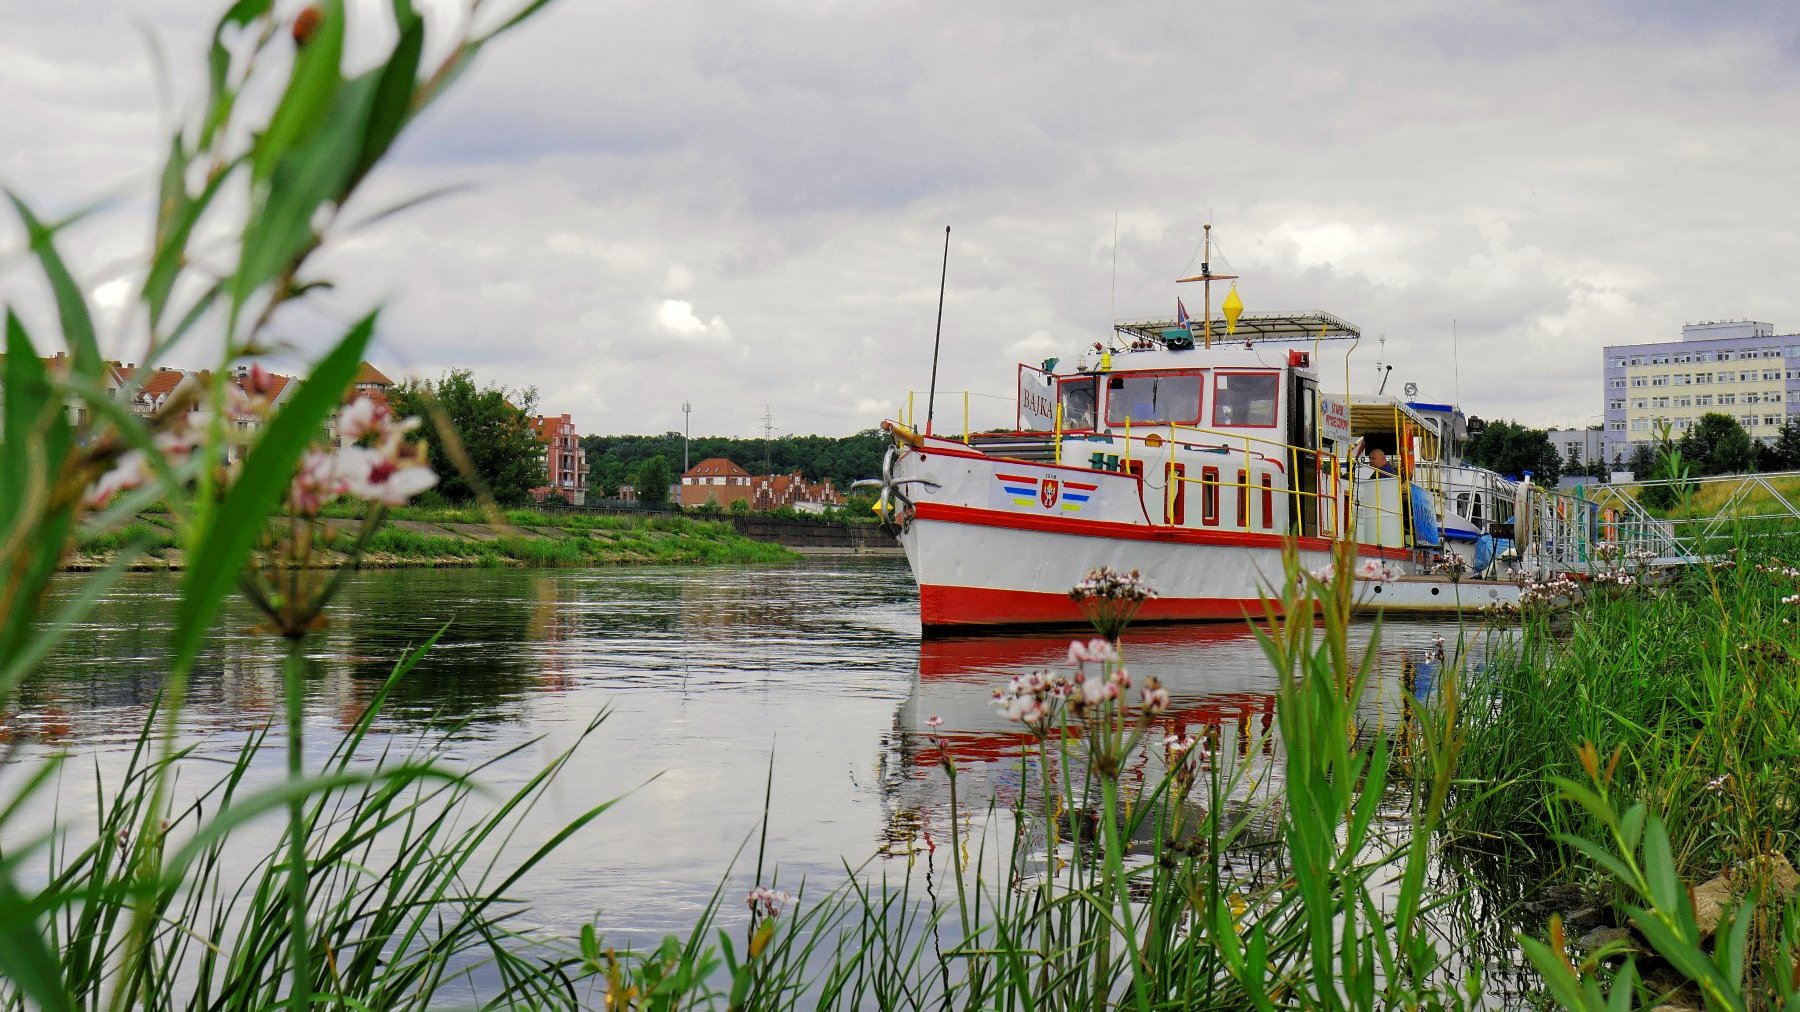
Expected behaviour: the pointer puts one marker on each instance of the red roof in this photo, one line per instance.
(369, 374)
(716, 467)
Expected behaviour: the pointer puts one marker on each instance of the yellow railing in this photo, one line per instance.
(1334, 478)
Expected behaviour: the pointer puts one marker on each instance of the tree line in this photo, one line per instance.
(1714, 444)
(619, 460)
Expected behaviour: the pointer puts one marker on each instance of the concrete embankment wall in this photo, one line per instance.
(822, 537)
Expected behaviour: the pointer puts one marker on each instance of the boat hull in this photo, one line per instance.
(977, 570)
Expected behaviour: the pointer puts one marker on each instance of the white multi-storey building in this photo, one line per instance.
(1739, 368)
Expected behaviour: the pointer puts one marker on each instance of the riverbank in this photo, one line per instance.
(519, 538)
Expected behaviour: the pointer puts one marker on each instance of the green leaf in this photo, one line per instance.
(1659, 867)
(173, 235)
(280, 796)
(71, 304)
(1557, 975)
(266, 476)
(306, 177)
(25, 958)
(37, 439)
(1684, 955)
(311, 90)
(218, 61)
(393, 101)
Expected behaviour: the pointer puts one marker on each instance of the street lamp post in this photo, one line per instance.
(686, 417)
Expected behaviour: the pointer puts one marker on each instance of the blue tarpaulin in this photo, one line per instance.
(1425, 528)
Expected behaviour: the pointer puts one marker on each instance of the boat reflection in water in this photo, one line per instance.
(1222, 691)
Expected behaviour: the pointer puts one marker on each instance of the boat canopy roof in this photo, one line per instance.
(1157, 358)
(1381, 415)
(1308, 325)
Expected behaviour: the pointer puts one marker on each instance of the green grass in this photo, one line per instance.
(1693, 686)
(601, 541)
(403, 890)
(148, 536)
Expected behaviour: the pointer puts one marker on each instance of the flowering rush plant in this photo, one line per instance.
(1111, 599)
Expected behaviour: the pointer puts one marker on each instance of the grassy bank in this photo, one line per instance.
(1688, 694)
(461, 538)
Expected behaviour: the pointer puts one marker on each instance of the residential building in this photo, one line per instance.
(717, 480)
(1739, 368)
(565, 462)
(722, 482)
(792, 491)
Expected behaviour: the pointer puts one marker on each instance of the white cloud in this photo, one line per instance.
(1551, 177)
(676, 317)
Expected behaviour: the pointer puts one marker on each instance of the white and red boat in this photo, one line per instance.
(1193, 463)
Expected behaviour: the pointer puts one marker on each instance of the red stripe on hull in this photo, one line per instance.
(982, 606)
(1134, 532)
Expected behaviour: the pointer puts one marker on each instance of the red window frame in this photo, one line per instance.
(1209, 496)
(1243, 499)
(1200, 408)
(1174, 480)
(1218, 373)
(1268, 501)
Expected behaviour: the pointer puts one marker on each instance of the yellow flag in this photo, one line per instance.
(1232, 307)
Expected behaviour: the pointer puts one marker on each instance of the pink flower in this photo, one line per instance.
(1094, 651)
(364, 416)
(934, 722)
(128, 472)
(1156, 700)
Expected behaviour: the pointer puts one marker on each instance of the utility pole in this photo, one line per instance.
(687, 410)
(768, 433)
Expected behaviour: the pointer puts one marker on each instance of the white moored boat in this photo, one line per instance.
(1193, 462)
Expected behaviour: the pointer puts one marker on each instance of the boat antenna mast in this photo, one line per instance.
(1206, 277)
(938, 338)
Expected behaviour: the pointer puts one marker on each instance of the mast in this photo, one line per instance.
(1206, 287)
(1206, 277)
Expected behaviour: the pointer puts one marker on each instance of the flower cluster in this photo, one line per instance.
(766, 902)
(376, 462)
(1111, 599)
(1619, 578)
(1032, 699)
(1450, 564)
(1177, 746)
(1549, 592)
(1778, 569)
(175, 439)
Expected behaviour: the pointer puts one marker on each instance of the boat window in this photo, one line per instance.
(1078, 402)
(1245, 398)
(1462, 505)
(1153, 398)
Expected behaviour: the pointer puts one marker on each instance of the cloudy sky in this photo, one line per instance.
(741, 204)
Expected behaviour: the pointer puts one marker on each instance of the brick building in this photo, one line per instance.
(722, 482)
(565, 462)
(715, 480)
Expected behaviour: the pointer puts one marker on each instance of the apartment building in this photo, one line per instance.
(1740, 368)
(565, 462)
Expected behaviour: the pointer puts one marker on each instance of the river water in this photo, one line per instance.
(714, 681)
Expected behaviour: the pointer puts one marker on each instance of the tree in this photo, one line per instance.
(1785, 453)
(504, 455)
(1511, 448)
(653, 481)
(1717, 444)
(1642, 463)
(1572, 461)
